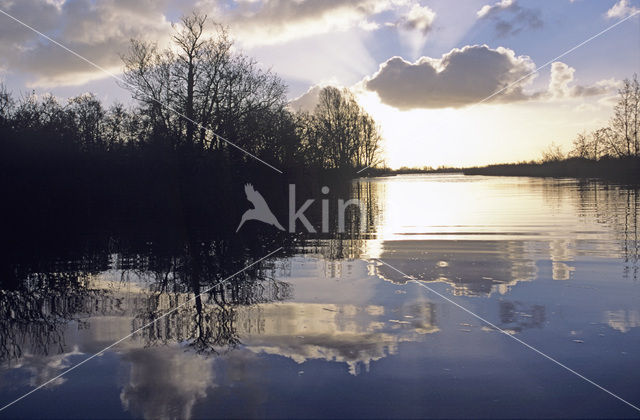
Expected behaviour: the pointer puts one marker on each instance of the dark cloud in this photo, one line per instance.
(14, 35)
(510, 18)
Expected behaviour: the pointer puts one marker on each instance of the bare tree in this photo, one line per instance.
(88, 115)
(370, 144)
(209, 85)
(597, 143)
(189, 40)
(6, 105)
(147, 72)
(635, 113)
(620, 138)
(625, 120)
(339, 133)
(581, 146)
(553, 153)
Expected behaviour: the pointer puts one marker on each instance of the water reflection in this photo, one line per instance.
(165, 383)
(623, 320)
(347, 334)
(556, 258)
(484, 234)
(516, 316)
(110, 300)
(475, 268)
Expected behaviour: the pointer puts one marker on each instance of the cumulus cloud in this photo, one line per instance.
(99, 31)
(622, 9)
(465, 77)
(509, 18)
(460, 77)
(470, 75)
(562, 78)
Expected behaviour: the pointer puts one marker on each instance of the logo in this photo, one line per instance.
(262, 213)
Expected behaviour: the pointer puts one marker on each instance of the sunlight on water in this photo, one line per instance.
(459, 207)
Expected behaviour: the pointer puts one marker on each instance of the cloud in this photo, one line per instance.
(460, 77)
(464, 77)
(419, 18)
(165, 383)
(414, 25)
(488, 10)
(35, 13)
(510, 18)
(307, 101)
(43, 368)
(622, 9)
(469, 75)
(263, 22)
(99, 31)
(335, 332)
(562, 76)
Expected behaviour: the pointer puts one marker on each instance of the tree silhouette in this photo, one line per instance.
(339, 134)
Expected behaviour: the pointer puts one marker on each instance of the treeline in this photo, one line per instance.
(196, 98)
(406, 170)
(204, 121)
(619, 139)
(611, 152)
(626, 170)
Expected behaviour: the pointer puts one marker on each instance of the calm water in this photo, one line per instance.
(325, 329)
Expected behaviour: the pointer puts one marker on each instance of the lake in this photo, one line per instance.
(346, 325)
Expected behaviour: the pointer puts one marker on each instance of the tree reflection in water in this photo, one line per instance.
(39, 300)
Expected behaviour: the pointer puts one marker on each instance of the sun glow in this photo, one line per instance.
(480, 134)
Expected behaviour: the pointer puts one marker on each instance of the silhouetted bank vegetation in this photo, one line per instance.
(406, 170)
(611, 152)
(626, 169)
(176, 151)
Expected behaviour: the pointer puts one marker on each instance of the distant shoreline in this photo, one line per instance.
(625, 169)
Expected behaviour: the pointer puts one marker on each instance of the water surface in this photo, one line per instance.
(326, 329)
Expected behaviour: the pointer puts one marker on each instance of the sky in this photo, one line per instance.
(427, 71)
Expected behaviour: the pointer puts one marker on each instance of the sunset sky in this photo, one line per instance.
(419, 67)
